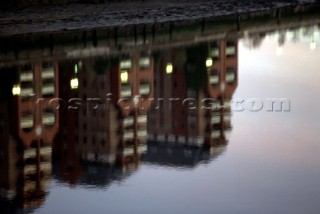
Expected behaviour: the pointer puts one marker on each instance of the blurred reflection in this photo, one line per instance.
(199, 88)
(115, 107)
(27, 131)
(193, 101)
(108, 122)
(97, 117)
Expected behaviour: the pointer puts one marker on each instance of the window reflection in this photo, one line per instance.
(26, 81)
(214, 77)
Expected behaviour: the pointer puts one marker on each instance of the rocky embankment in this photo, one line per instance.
(59, 18)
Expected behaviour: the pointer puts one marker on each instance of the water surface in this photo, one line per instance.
(129, 158)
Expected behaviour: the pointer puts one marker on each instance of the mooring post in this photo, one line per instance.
(84, 38)
(170, 29)
(16, 53)
(115, 35)
(202, 25)
(144, 31)
(153, 31)
(238, 22)
(135, 34)
(51, 44)
(94, 38)
(279, 17)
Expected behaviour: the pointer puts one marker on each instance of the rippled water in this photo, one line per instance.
(251, 147)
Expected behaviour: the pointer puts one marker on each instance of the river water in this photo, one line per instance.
(241, 136)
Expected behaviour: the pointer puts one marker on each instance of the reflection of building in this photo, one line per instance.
(97, 135)
(195, 85)
(64, 147)
(133, 79)
(110, 122)
(21, 184)
(29, 131)
(133, 91)
(222, 82)
(36, 117)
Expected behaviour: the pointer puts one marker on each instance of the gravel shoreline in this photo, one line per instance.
(88, 16)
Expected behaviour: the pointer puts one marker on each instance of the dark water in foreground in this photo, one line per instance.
(241, 136)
